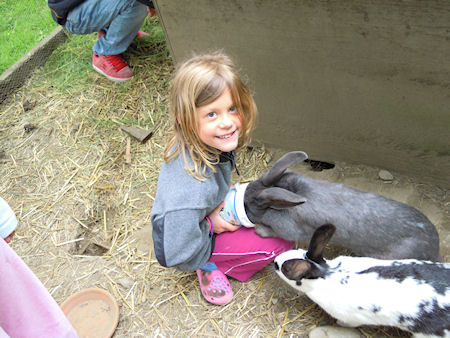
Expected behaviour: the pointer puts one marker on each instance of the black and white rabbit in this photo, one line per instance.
(409, 294)
(287, 204)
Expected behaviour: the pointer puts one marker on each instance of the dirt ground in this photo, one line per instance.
(83, 190)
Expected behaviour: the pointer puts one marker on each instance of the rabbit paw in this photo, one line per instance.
(344, 324)
(264, 231)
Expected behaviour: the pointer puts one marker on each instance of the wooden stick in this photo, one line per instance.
(128, 152)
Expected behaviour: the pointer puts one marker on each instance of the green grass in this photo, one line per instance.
(23, 23)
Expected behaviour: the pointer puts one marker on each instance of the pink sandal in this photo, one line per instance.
(215, 287)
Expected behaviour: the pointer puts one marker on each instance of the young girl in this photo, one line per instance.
(213, 114)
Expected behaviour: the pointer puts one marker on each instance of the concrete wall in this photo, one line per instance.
(359, 81)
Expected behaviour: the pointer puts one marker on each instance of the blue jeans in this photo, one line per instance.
(122, 19)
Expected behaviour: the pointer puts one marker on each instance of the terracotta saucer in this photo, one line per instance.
(92, 312)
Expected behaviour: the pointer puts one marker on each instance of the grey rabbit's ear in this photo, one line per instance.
(278, 198)
(286, 161)
(319, 241)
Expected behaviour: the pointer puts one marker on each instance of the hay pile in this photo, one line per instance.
(83, 190)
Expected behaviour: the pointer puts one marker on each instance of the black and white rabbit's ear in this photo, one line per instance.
(298, 269)
(278, 198)
(295, 269)
(286, 161)
(319, 241)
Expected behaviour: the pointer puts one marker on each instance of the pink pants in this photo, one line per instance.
(26, 307)
(242, 253)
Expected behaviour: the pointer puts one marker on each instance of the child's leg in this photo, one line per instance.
(27, 309)
(123, 18)
(242, 253)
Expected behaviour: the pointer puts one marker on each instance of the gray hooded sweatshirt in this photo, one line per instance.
(181, 235)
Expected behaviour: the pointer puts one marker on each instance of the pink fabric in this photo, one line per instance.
(242, 253)
(26, 307)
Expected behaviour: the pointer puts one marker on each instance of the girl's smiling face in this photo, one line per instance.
(219, 123)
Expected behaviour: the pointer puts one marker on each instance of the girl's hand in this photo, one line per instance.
(220, 225)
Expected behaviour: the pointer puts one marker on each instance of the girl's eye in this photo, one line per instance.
(212, 114)
(232, 109)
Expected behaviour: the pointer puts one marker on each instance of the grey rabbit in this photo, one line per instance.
(287, 204)
(410, 294)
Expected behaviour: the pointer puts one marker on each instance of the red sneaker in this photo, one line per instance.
(141, 34)
(100, 33)
(114, 67)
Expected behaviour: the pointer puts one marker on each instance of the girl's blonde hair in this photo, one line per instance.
(197, 82)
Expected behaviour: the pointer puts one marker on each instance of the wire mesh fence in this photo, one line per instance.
(28, 36)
